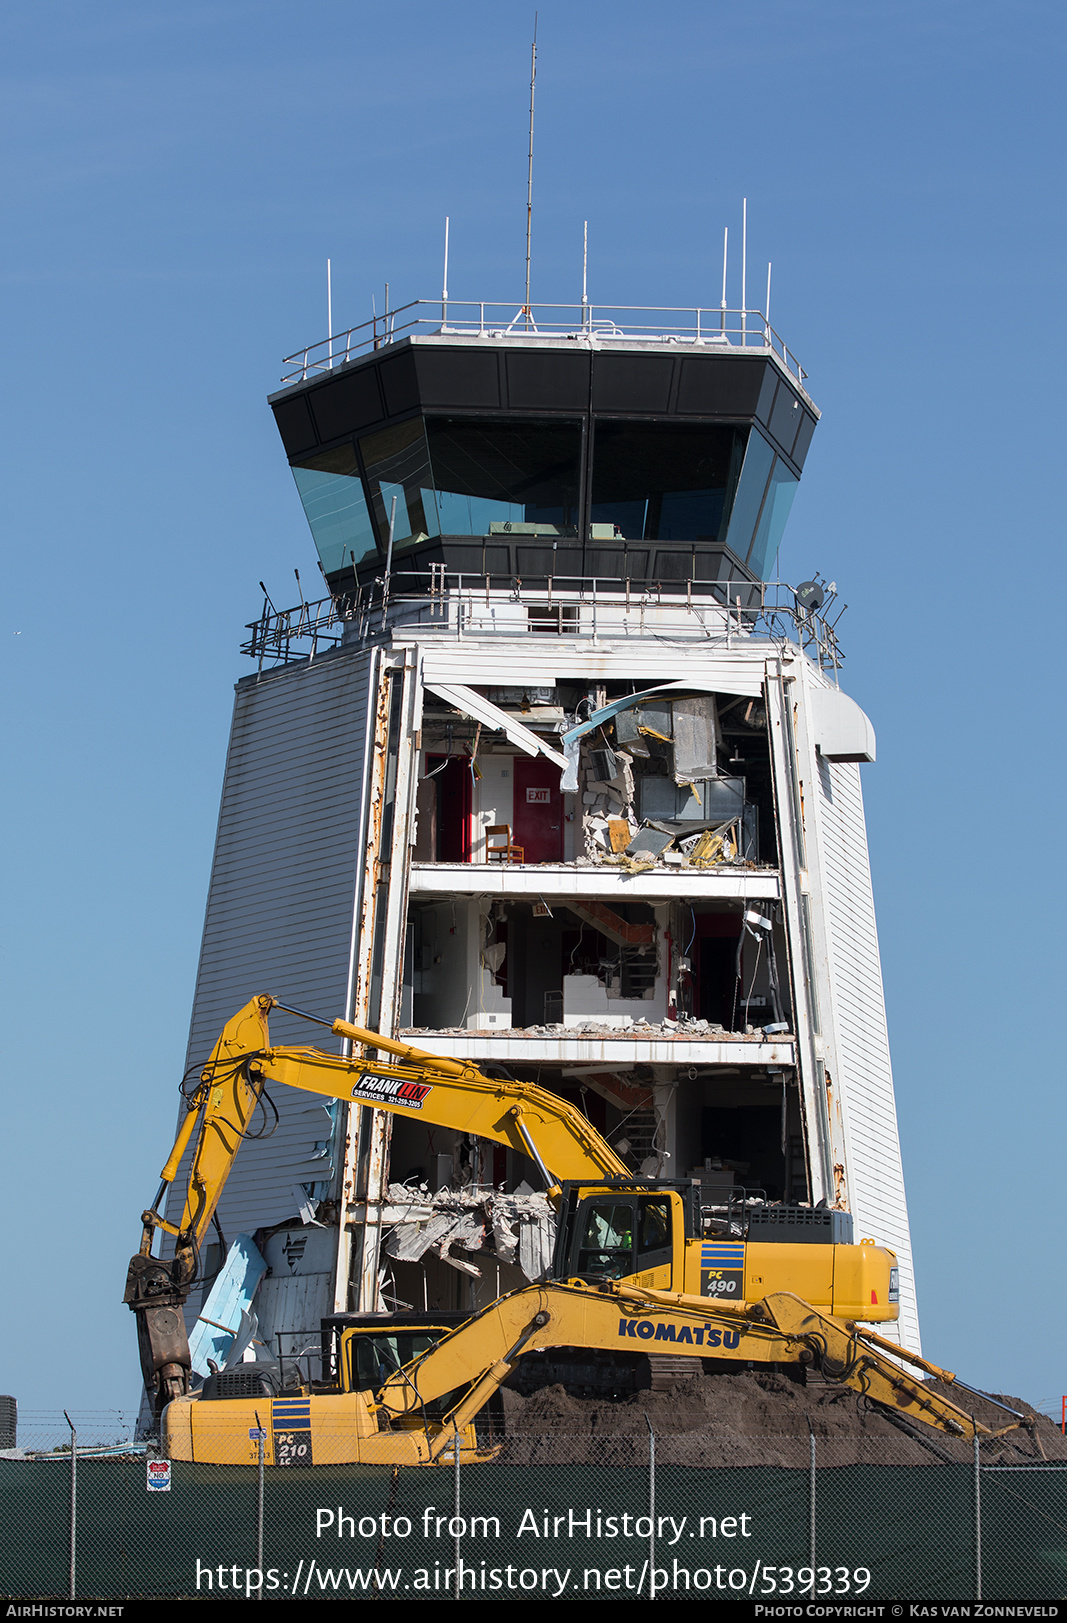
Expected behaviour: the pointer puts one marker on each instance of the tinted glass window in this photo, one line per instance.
(665, 481)
(776, 508)
(373, 1358)
(450, 476)
(379, 1356)
(749, 499)
(517, 475)
(655, 1225)
(336, 507)
(398, 470)
(607, 1241)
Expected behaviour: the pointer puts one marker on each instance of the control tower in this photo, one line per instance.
(559, 778)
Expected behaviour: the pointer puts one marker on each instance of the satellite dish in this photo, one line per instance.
(809, 595)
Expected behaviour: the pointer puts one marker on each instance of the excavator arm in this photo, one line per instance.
(233, 1085)
(217, 1121)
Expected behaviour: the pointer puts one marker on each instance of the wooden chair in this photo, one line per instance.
(502, 853)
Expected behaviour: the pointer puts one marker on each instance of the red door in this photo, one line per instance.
(453, 809)
(538, 815)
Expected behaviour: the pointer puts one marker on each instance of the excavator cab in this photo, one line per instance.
(361, 1351)
(621, 1230)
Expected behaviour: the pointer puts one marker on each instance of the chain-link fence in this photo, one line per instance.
(793, 1519)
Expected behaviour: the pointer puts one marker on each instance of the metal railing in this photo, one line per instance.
(712, 327)
(310, 626)
(554, 605)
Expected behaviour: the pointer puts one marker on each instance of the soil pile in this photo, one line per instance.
(758, 1417)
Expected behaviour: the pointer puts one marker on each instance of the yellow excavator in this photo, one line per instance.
(632, 1272)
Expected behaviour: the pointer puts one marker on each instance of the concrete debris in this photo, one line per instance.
(682, 1030)
(509, 1228)
(712, 853)
(649, 842)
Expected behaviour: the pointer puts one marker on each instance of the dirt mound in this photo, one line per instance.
(757, 1417)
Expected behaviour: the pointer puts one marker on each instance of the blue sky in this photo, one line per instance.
(173, 179)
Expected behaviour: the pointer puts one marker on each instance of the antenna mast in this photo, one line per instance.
(529, 176)
(744, 264)
(585, 275)
(329, 313)
(444, 281)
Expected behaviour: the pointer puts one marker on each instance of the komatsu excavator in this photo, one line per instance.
(632, 1271)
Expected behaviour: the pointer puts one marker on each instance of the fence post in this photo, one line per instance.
(73, 1500)
(261, 1474)
(457, 1583)
(811, 1503)
(977, 1521)
(651, 1509)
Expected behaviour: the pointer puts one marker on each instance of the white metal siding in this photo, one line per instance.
(865, 1078)
(541, 661)
(280, 905)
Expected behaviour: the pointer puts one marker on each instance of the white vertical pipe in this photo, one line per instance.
(585, 272)
(529, 178)
(744, 262)
(444, 282)
(329, 313)
(725, 243)
(767, 309)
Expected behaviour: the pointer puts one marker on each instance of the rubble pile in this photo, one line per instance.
(517, 1228)
(664, 754)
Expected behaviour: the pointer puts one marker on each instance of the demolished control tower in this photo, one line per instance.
(553, 778)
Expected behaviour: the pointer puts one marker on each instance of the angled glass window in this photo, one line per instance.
(776, 508)
(398, 465)
(751, 488)
(665, 481)
(515, 475)
(453, 476)
(331, 491)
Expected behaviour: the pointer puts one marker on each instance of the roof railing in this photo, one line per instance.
(584, 606)
(705, 327)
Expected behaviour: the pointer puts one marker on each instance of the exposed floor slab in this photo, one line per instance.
(509, 1047)
(563, 880)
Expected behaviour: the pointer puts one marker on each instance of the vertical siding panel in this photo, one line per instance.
(280, 902)
(876, 1175)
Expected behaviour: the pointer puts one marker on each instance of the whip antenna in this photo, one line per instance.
(529, 175)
